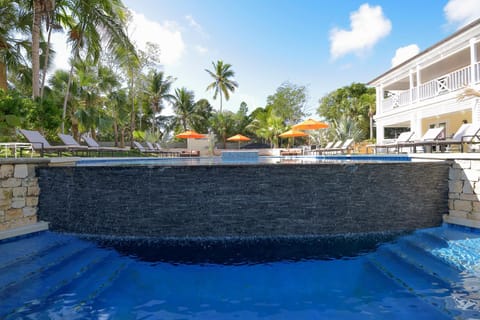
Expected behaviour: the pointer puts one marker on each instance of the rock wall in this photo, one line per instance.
(244, 201)
(19, 193)
(464, 193)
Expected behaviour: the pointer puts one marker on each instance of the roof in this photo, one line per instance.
(458, 32)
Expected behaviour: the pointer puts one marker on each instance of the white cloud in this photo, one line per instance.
(200, 49)
(461, 12)
(196, 26)
(62, 51)
(167, 35)
(404, 53)
(368, 26)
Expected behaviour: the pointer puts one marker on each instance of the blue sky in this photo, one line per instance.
(321, 44)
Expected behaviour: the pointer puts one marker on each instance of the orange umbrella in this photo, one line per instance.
(292, 133)
(190, 134)
(238, 137)
(310, 124)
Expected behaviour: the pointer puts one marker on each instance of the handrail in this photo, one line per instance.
(449, 82)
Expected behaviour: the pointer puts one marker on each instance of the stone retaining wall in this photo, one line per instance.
(464, 193)
(244, 201)
(19, 194)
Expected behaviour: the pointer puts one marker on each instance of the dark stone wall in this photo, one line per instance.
(244, 201)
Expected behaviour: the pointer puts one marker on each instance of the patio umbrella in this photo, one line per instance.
(292, 133)
(190, 134)
(310, 124)
(238, 137)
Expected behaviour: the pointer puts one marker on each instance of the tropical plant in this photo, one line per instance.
(158, 91)
(289, 103)
(223, 83)
(223, 125)
(202, 112)
(183, 106)
(355, 102)
(15, 23)
(267, 125)
(346, 128)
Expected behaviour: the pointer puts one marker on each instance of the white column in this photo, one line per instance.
(416, 125)
(380, 131)
(473, 57)
(378, 101)
(410, 79)
(419, 82)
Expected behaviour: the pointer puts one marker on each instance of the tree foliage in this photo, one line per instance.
(289, 103)
(355, 102)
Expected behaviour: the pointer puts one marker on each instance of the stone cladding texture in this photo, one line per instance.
(19, 194)
(245, 201)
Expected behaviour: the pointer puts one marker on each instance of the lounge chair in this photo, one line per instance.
(329, 145)
(141, 148)
(427, 141)
(68, 140)
(94, 146)
(190, 153)
(39, 143)
(467, 134)
(403, 138)
(156, 148)
(344, 148)
(291, 152)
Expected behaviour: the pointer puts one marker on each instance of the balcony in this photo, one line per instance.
(450, 82)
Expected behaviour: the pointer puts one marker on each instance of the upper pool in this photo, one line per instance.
(151, 161)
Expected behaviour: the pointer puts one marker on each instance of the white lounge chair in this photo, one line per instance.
(402, 138)
(429, 139)
(344, 148)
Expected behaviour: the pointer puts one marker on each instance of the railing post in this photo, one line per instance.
(419, 82)
(473, 55)
(410, 79)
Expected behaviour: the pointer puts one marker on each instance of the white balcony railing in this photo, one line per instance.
(450, 82)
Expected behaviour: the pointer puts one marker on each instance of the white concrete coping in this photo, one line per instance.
(20, 231)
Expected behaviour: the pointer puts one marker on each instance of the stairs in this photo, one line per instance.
(441, 266)
(67, 277)
(35, 271)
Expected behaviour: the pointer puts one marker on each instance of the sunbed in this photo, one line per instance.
(344, 148)
(329, 146)
(427, 141)
(403, 138)
(156, 148)
(467, 134)
(93, 145)
(39, 143)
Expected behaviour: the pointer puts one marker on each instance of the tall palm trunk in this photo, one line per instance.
(115, 132)
(132, 116)
(37, 20)
(3, 76)
(45, 63)
(220, 101)
(65, 100)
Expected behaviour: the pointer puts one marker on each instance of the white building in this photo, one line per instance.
(423, 91)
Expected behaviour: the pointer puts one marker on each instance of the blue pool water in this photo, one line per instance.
(430, 274)
(145, 161)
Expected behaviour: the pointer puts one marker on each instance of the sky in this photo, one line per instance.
(321, 44)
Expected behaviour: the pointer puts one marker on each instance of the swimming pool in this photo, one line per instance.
(146, 161)
(430, 274)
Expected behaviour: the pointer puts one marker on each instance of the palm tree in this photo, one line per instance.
(14, 22)
(183, 106)
(267, 125)
(223, 125)
(98, 23)
(42, 10)
(222, 84)
(158, 90)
